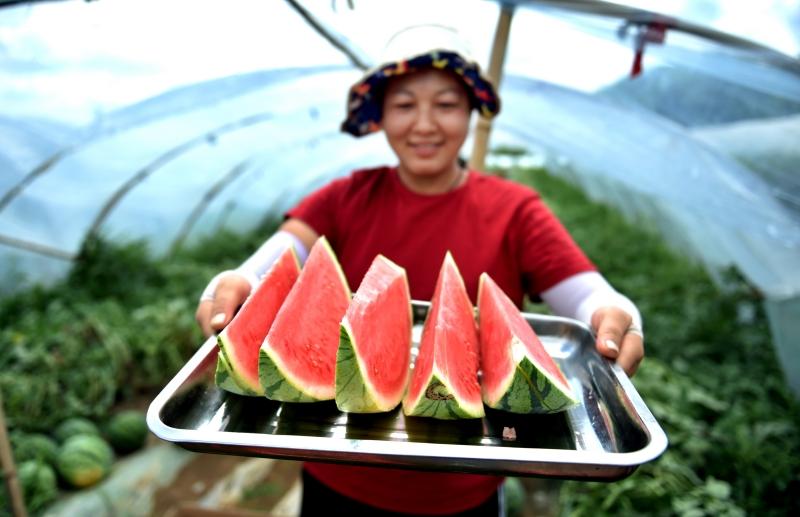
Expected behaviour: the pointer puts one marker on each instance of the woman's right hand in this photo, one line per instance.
(231, 292)
(217, 308)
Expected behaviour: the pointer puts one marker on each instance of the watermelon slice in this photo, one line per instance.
(223, 377)
(375, 342)
(444, 383)
(240, 341)
(518, 374)
(298, 357)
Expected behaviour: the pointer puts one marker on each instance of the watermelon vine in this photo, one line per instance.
(710, 376)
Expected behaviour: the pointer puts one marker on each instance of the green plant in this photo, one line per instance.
(710, 377)
(121, 323)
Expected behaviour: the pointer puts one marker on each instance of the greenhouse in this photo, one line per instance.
(146, 146)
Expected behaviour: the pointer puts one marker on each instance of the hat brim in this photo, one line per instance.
(365, 98)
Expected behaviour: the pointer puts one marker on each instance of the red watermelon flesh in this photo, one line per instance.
(372, 363)
(240, 341)
(298, 357)
(444, 382)
(518, 375)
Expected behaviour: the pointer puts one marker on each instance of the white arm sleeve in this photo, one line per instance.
(579, 296)
(255, 267)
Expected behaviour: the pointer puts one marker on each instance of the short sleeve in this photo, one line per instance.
(547, 253)
(319, 209)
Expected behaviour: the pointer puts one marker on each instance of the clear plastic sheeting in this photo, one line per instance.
(703, 201)
(650, 154)
(76, 61)
(187, 166)
(760, 69)
(165, 138)
(768, 147)
(230, 114)
(784, 319)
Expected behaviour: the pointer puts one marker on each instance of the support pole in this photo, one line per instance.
(9, 470)
(484, 127)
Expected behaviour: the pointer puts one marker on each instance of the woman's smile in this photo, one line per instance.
(426, 120)
(425, 149)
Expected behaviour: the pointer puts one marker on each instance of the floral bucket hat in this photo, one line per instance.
(412, 49)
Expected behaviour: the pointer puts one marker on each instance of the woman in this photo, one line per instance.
(421, 98)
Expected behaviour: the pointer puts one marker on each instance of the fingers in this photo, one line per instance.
(203, 317)
(213, 315)
(610, 324)
(631, 353)
(614, 341)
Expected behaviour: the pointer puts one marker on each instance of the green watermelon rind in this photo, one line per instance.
(229, 378)
(438, 401)
(38, 483)
(226, 377)
(529, 389)
(74, 426)
(273, 375)
(353, 392)
(84, 460)
(34, 447)
(127, 431)
(223, 378)
(277, 386)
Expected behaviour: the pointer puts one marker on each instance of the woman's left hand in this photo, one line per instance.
(616, 339)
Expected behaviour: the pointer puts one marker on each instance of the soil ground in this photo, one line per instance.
(190, 491)
(185, 495)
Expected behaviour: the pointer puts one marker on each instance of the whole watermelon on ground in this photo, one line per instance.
(38, 483)
(74, 426)
(240, 341)
(298, 357)
(127, 431)
(372, 363)
(34, 446)
(444, 382)
(518, 375)
(84, 460)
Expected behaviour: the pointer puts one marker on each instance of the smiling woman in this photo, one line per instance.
(415, 213)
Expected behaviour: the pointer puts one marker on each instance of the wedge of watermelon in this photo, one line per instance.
(298, 357)
(240, 341)
(518, 375)
(372, 364)
(444, 382)
(223, 378)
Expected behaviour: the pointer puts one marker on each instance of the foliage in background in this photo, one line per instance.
(121, 323)
(710, 377)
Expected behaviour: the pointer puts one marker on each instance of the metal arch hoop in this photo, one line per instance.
(165, 158)
(224, 182)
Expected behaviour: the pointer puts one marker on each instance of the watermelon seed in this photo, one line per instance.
(438, 391)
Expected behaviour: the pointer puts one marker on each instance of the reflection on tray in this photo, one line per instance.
(238, 414)
(605, 437)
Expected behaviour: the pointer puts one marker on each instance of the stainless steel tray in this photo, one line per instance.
(606, 437)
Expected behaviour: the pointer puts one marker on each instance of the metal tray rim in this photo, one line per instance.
(655, 446)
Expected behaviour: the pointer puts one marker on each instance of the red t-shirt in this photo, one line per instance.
(488, 224)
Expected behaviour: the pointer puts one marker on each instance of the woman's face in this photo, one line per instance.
(426, 120)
